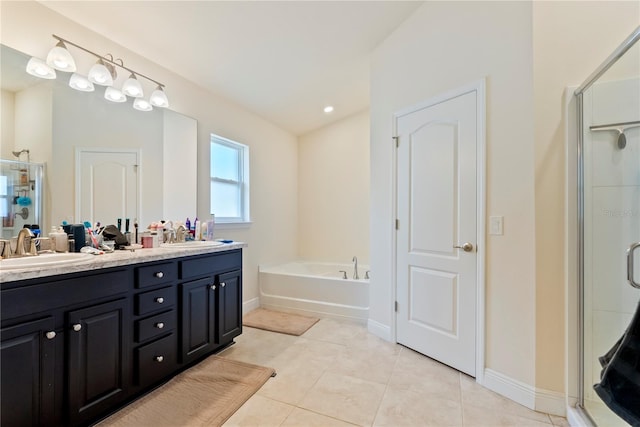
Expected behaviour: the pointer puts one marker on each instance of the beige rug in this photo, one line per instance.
(205, 395)
(276, 321)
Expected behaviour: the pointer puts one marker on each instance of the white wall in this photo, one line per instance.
(445, 45)
(333, 191)
(7, 135)
(27, 26)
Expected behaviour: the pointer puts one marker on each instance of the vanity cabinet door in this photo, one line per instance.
(28, 364)
(198, 318)
(98, 361)
(229, 305)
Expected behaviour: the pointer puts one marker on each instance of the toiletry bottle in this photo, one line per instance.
(62, 241)
(210, 225)
(187, 225)
(197, 230)
(53, 235)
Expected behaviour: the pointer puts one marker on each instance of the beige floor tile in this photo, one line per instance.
(367, 365)
(347, 398)
(479, 399)
(368, 342)
(306, 352)
(260, 411)
(474, 416)
(559, 421)
(290, 385)
(335, 331)
(411, 408)
(416, 372)
(303, 418)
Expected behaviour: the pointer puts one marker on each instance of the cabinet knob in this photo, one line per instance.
(159, 325)
(77, 327)
(50, 335)
(223, 284)
(159, 274)
(159, 300)
(213, 287)
(159, 358)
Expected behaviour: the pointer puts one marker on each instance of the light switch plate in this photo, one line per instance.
(496, 225)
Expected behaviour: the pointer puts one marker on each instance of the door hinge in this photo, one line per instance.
(397, 140)
(397, 224)
(396, 306)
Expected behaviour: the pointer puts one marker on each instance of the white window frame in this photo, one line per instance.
(243, 183)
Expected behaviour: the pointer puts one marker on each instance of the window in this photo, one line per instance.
(229, 181)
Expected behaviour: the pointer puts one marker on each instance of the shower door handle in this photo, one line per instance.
(630, 275)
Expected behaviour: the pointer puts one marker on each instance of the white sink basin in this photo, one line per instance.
(44, 260)
(192, 244)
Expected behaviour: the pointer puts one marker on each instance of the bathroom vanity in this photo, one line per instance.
(81, 341)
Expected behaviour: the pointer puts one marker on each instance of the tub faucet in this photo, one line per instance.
(355, 268)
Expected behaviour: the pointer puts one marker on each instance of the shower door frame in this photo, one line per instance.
(578, 93)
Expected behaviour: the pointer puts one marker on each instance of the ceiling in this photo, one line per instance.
(283, 60)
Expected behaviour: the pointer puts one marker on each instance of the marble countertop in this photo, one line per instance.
(114, 259)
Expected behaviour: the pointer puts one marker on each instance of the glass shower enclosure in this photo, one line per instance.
(608, 217)
(20, 196)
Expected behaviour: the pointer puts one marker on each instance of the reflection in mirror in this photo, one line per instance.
(20, 196)
(55, 123)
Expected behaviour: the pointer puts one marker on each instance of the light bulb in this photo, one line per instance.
(159, 98)
(142, 105)
(60, 58)
(328, 109)
(37, 67)
(80, 83)
(114, 95)
(99, 74)
(132, 87)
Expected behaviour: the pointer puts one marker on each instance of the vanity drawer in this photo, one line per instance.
(155, 300)
(155, 325)
(156, 274)
(211, 264)
(156, 360)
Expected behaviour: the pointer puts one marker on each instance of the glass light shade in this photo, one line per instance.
(80, 83)
(37, 67)
(114, 95)
(132, 87)
(159, 98)
(60, 58)
(142, 105)
(100, 75)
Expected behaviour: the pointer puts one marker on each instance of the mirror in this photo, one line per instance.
(57, 124)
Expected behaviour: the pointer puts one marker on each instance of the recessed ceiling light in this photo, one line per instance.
(328, 109)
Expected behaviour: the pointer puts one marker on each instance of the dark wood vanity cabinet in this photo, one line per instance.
(76, 347)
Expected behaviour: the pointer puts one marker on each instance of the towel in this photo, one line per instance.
(619, 386)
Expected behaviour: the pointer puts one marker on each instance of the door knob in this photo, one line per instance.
(467, 247)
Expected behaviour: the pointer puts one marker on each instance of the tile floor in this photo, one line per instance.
(338, 374)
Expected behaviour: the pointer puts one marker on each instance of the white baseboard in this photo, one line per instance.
(250, 305)
(547, 401)
(379, 330)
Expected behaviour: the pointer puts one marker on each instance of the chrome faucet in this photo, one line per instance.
(25, 234)
(355, 268)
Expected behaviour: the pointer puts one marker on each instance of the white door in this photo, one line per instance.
(436, 203)
(106, 186)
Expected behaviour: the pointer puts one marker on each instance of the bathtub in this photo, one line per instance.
(315, 288)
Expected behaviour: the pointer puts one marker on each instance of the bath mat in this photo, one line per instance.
(276, 321)
(205, 395)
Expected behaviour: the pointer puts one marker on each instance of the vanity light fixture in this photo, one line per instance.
(114, 95)
(37, 67)
(328, 109)
(81, 83)
(60, 58)
(159, 98)
(142, 104)
(102, 73)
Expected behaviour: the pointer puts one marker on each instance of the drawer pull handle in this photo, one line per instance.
(223, 284)
(159, 300)
(50, 335)
(159, 274)
(159, 358)
(159, 325)
(77, 327)
(213, 287)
